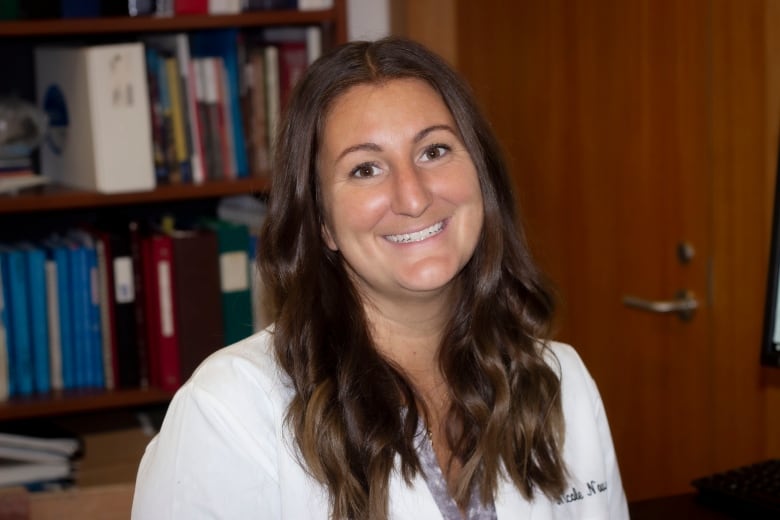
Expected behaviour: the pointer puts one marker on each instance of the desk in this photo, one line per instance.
(674, 507)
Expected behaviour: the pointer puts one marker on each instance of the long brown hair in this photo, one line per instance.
(349, 416)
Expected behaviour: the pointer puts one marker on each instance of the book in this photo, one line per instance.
(93, 339)
(97, 101)
(58, 251)
(314, 5)
(191, 7)
(122, 299)
(233, 241)
(267, 5)
(15, 473)
(224, 6)
(9, 9)
(211, 68)
(226, 112)
(250, 212)
(163, 341)
(168, 133)
(136, 233)
(20, 362)
(223, 43)
(197, 296)
(35, 259)
(209, 139)
(159, 144)
(134, 7)
(296, 48)
(80, 8)
(178, 45)
(53, 315)
(272, 92)
(105, 302)
(4, 376)
(254, 107)
(181, 146)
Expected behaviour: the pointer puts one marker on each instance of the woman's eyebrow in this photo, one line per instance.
(373, 147)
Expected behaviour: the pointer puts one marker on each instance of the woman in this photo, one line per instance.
(408, 373)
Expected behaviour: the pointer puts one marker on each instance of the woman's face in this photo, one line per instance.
(401, 197)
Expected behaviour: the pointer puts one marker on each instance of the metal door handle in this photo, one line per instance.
(683, 305)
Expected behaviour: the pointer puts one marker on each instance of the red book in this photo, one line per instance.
(163, 343)
(191, 7)
(293, 61)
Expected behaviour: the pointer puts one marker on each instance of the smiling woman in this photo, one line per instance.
(409, 371)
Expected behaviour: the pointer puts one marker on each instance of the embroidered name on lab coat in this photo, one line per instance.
(592, 488)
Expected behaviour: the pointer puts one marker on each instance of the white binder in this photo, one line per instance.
(99, 134)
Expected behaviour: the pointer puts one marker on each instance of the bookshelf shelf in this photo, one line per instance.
(79, 401)
(145, 24)
(58, 197)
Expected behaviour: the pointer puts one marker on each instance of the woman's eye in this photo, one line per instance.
(435, 151)
(365, 170)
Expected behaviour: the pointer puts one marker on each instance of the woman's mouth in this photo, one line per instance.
(417, 236)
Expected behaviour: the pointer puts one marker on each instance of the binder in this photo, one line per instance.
(123, 301)
(235, 285)
(98, 106)
(197, 296)
(163, 341)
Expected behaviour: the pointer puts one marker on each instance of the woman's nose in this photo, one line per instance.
(411, 193)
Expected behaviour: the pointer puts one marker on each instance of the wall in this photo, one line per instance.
(368, 19)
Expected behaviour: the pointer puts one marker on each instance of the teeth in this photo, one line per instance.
(417, 235)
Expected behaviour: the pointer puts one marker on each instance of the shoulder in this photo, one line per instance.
(245, 368)
(569, 366)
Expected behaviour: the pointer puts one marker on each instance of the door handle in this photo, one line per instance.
(683, 305)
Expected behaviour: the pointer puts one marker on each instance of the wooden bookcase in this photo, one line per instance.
(31, 209)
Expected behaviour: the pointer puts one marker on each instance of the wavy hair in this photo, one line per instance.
(349, 415)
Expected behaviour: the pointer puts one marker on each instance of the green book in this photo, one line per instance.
(235, 279)
(9, 9)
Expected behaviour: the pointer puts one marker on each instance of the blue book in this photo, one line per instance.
(92, 343)
(18, 337)
(38, 314)
(80, 8)
(79, 303)
(4, 375)
(58, 252)
(224, 43)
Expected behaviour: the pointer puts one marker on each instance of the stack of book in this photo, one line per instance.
(172, 108)
(36, 462)
(134, 304)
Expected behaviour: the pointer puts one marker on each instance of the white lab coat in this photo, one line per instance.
(224, 452)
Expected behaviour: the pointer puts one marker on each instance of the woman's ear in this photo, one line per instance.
(328, 237)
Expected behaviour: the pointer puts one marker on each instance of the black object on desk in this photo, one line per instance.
(751, 491)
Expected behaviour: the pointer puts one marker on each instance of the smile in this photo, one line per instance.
(417, 236)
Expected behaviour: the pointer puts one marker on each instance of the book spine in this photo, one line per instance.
(180, 144)
(20, 351)
(107, 322)
(53, 308)
(39, 330)
(5, 384)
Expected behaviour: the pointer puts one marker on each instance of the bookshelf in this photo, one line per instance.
(54, 202)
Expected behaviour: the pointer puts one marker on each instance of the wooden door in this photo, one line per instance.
(607, 110)
(610, 145)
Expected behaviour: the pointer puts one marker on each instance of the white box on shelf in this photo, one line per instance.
(97, 100)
